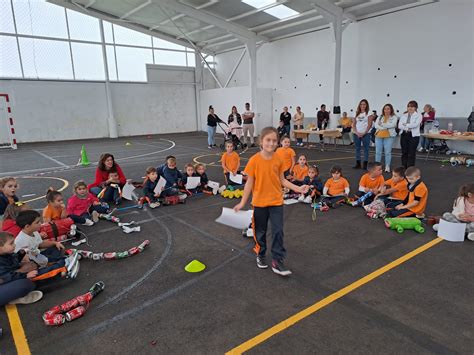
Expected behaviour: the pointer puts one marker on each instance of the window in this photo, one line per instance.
(108, 35)
(111, 62)
(126, 36)
(191, 59)
(6, 17)
(258, 3)
(45, 59)
(9, 63)
(83, 27)
(132, 62)
(40, 18)
(170, 57)
(88, 61)
(281, 12)
(159, 43)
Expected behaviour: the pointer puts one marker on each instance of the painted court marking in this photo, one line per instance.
(62, 188)
(18, 332)
(278, 328)
(50, 158)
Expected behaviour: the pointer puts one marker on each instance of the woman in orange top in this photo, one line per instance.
(287, 155)
(230, 162)
(265, 181)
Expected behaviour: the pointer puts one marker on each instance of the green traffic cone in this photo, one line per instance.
(84, 159)
(195, 266)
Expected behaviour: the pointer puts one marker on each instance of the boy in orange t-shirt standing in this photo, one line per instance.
(265, 181)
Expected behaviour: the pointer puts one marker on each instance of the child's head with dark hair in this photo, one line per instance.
(28, 218)
(189, 169)
(113, 174)
(467, 190)
(398, 174)
(12, 211)
(313, 171)
(200, 168)
(151, 173)
(229, 147)
(374, 169)
(285, 141)
(7, 243)
(302, 160)
(52, 195)
(413, 174)
(336, 172)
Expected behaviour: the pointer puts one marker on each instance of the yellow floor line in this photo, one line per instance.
(62, 188)
(18, 333)
(249, 344)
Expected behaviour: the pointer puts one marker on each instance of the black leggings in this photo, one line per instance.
(409, 144)
(15, 289)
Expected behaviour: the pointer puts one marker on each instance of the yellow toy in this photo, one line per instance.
(232, 194)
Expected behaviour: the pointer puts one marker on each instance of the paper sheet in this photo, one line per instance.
(453, 232)
(160, 185)
(127, 191)
(212, 184)
(237, 178)
(193, 182)
(290, 201)
(239, 220)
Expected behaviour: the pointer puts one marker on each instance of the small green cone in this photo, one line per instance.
(84, 159)
(195, 266)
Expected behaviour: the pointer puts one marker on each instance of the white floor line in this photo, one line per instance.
(50, 158)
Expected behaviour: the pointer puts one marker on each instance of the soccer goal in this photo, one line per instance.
(7, 129)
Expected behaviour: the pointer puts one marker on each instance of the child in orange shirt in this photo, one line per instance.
(56, 212)
(395, 189)
(287, 155)
(414, 204)
(230, 163)
(265, 180)
(336, 188)
(372, 181)
(300, 170)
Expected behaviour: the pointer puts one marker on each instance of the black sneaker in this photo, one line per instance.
(261, 262)
(279, 268)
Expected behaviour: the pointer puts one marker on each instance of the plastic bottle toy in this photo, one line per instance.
(400, 224)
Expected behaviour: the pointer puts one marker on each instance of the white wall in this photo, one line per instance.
(49, 110)
(416, 44)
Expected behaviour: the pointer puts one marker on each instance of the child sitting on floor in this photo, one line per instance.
(201, 172)
(9, 218)
(415, 203)
(149, 185)
(187, 173)
(300, 170)
(172, 176)
(315, 185)
(286, 155)
(8, 187)
(370, 184)
(230, 163)
(463, 210)
(336, 188)
(83, 207)
(55, 216)
(111, 192)
(394, 189)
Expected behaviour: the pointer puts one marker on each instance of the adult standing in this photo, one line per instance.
(298, 123)
(323, 119)
(285, 117)
(361, 128)
(426, 126)
(234, 116)
(385, 134)
(409, 126)
(105, 166)
(212, 120)
(248, 127)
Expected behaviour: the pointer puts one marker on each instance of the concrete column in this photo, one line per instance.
(336, 111)
(198, 87)
(252, 51)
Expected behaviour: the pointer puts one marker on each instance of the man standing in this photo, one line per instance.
(323, 119)
(285, 117)
(247, 127)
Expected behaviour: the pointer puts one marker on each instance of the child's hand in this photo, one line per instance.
(399, 207)
(238, 207)
(157, 195)
(63, 206)
(466, 217)
(27, 267)
(43, 235)
(59, 246)
(32, 274)
(96, 203)
(366, 190)
(303, 189)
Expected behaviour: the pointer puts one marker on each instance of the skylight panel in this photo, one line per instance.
(258, 3)
(281, 12)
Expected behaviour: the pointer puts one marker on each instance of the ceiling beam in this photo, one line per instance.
(136, 9)
(235, 29)
(115, 20)
(330, 10)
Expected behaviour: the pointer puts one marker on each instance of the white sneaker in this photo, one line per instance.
(32, 297)
(308, 199)
(420, 149)
(154, 205)
(95, 216)
(88, 222)
(73, 230)
(222, 189)
(470, 236)
(129, 230)
(182, 197)
(301, 198)
(387, 168)
(435, 227)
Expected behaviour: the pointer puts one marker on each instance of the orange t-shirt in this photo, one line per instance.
(336, 187)
(401, 186)
(267, 189)
(231, 161)
(369, 183)
(52, 213)
(286, 155)
(299, 173)
(420, 193)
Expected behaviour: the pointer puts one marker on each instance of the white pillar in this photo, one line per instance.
(198, 87)
(336, 111)
(252, 51)
(112, 124)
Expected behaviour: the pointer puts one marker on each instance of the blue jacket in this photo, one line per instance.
(149, 187)
(4, 202)
(9, 263)
(316, 182)
(204, 179)
(172, 176)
